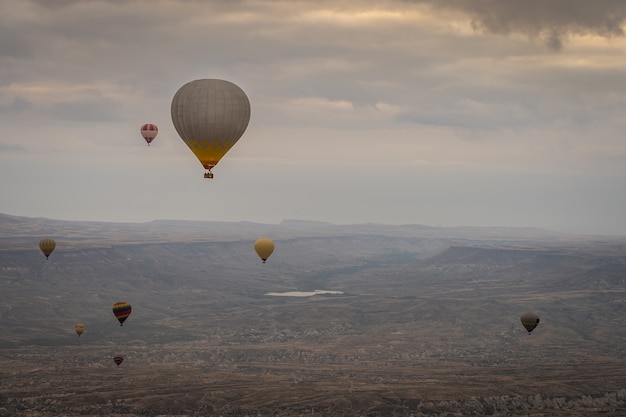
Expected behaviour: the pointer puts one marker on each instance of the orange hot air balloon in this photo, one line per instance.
(149, 132)
(47, 246)
(121, 310)
(79, 328)
(264, 248)
(210, 116)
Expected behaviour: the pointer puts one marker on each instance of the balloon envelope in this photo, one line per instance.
(149, 132)
(79, 328)
(47, 246)
(121, 310)
(530, 320)
(118, 359)
(210, 116)
(264, 248)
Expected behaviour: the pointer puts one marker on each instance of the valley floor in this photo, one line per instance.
(292, 380)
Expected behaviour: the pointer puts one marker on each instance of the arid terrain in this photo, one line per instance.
(418, 321)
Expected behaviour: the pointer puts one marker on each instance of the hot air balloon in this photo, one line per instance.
(79, 328)
(264, 248)
(149, 132)
(210, 116)
(47, 246)
(121, 310)
(118, 359)
(530, 320)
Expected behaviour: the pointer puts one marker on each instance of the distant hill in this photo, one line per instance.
(19, 232)
(168, 262)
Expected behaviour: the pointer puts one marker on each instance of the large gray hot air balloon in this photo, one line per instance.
(530, 320)
(210, 115)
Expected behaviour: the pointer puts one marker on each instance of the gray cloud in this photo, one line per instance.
(278, 55)
(12, 148)
(88, 110)
(16, 105)
(549, 20)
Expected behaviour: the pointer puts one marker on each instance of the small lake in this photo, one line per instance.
(302, 293)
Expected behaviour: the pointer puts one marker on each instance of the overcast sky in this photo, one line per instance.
(455, 113)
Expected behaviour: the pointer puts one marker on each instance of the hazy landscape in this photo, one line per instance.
(412, 320)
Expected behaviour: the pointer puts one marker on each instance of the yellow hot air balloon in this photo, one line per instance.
(210, 116)
(79, 328)
(47, 246)
(264, 248)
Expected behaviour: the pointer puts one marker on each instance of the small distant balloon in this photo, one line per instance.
(47, 246)
(264, 248)
(121, 310)
(530, 320)
(149, 132)
(118, 359)
(79, 328)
